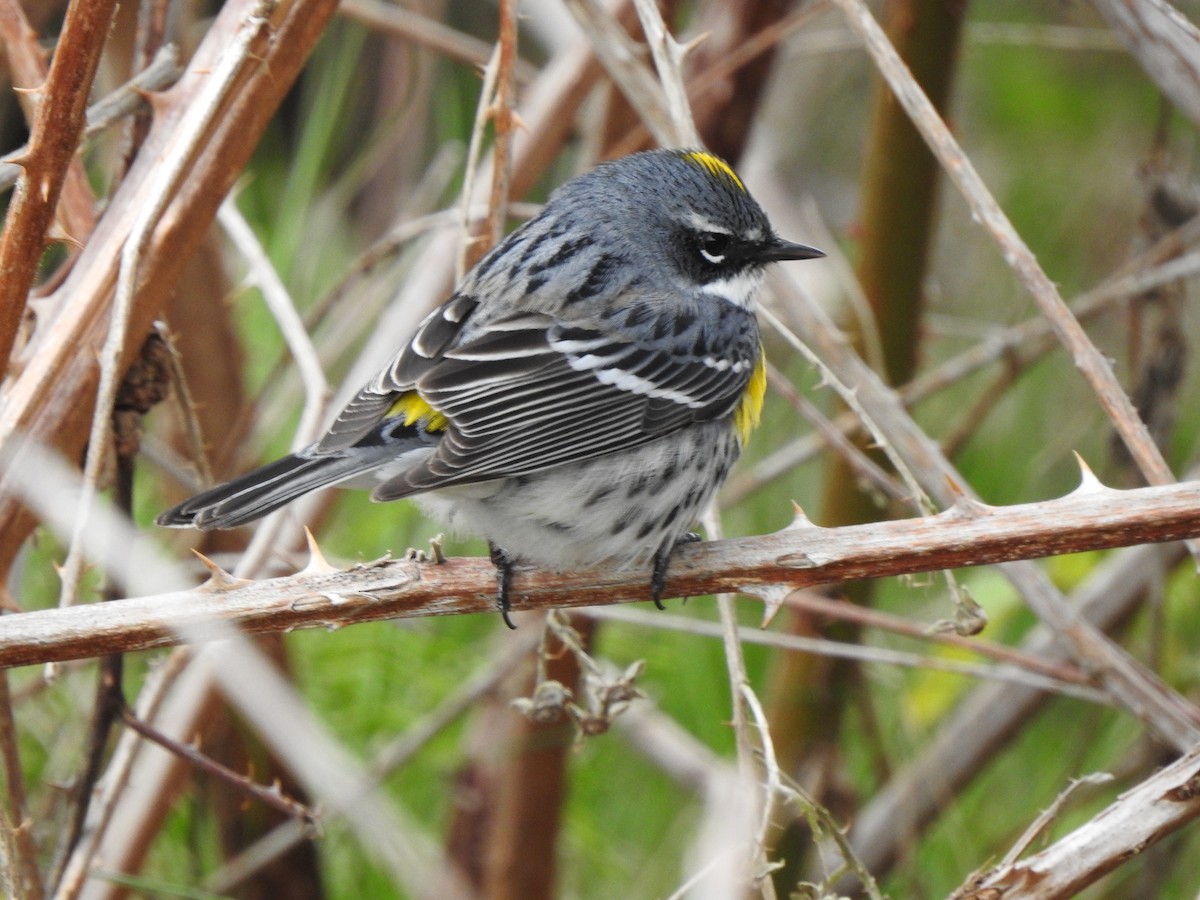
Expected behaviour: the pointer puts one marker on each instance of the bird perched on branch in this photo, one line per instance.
(582, 395)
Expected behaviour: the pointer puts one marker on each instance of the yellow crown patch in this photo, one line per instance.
(715, 166)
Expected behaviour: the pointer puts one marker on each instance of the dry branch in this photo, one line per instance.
(994, 713)
(52, 145)
(53, 396)
(1164, 43)
(1092, 517)
(1139, 818)
(1091, 363)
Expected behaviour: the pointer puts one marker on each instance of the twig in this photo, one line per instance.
(868, 617)
(112, 787)
(182, 394)
(619, 55)
(1086, 39)
(847, 390)
(503, 122)
(279, 302)
(668, 56)
(109, 700)
(749, 765)
(772, 788)
(704, 81)
(271, 797)
(1070, 687)
(52, 146)
(865, 468)
(1048, 815)
(106, 112)
(16, 830)
(1164, 43)
(468, 249)
(1091, 363)
(407, 24)
(166, 179)
(1138, 818)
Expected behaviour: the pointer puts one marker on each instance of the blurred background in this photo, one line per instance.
(354, 193)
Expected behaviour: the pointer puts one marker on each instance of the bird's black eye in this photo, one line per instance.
(714, 246)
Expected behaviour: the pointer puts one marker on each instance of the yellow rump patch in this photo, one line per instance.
(412, 408)
(749, 410)
(715, 166)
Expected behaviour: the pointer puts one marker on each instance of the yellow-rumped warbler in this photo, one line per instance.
(585, 391)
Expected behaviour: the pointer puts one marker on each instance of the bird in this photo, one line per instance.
(584, 391)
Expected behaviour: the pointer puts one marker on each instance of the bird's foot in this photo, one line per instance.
(503, 561)
(658, 577)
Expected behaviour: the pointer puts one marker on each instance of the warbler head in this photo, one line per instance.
(660, 228)
(683, 219)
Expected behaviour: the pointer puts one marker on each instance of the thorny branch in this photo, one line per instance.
(971, 533)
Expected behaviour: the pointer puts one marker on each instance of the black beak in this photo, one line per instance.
(778, 250)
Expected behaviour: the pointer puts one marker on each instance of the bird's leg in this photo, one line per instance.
(658, 577)
(503, 562)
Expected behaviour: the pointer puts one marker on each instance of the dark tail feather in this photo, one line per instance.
(264, 490)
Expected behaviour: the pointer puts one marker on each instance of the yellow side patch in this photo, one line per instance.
(412, 408)
(749, 410)
(716, 166)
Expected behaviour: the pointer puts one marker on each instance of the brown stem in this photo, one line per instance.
(16, 830)
(53, 397)
(968, 534)
(268, 796)
(52, 146)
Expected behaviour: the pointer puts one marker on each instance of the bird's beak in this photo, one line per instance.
(778, 250)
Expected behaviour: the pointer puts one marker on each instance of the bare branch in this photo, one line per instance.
(52, 146)
(52, 397)
(1139, 818)
(124, 101)
(163, 185)
(800, 555)
(407, 24)
(1164, 42)
(994, 713)
(1089, 360)
(17, 845)
(263, 275)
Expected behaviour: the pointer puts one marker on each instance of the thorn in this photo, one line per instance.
(218, 578)
(773, 597)
(317, 563)
(58, 234)
(435, 549)
(686, 47)
(955, 487)
(1088, 481)
(158, 101)
(799, 518)
(967, 507)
